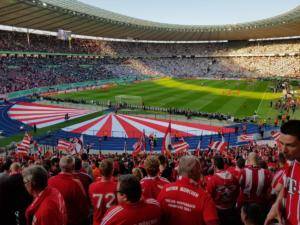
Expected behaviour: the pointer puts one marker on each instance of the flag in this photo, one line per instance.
(198, 149)
(81, 139)
(167, 142)
(139, 146)
(65, 146)
(78, 145)
(275, 135)
(24, 146)
(180, 146)
(219, 146)
(125, 146)
(245, 137)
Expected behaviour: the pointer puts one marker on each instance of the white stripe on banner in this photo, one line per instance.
(117, 129)
(148, 130)
(186, 129)
(248, 181)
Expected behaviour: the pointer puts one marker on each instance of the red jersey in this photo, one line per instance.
(224, 189)
(102, 195)
(48, 208)
(184, 202)
(85, 179)
(291, 191)
(143, 212)
(255, 184)
(74, 195)
(275, 180)
(151, 186)
(235, 171)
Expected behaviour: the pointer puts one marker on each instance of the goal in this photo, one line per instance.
(129, 99)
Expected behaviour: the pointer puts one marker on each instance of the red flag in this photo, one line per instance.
(65, 146)
(181, 146)
(246, 137)
(275, 135)
(167, 142)
(24, 146)
(219, 146)
(139, 146)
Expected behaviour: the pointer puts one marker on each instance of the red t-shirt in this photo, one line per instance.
(73, 192)
(48, 208)
(151, 186)
(184, 202)
(224, 189)
(143, 212)
(291, 200)
(255, 185)
(103, 195)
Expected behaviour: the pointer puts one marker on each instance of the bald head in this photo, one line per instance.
(252, 159)
(67, 164)
(189, 166)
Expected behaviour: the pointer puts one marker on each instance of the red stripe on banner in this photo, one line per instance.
(42, 110)
(131, 131)
(159, 127)
(41, 122)
(49, 117)
(42, 113)
(41, 105)
(105, 130)
(196, 125)
(85, 127)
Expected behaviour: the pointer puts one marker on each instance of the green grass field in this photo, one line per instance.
(235, 97)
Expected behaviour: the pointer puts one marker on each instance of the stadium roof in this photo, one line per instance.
(83, 19)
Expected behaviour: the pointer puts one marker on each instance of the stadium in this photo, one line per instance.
(78, 81)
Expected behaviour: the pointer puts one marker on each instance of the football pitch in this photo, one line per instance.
(240, 98)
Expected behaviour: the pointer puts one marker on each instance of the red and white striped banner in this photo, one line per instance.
(275, 135)
(218, 145)
(180, 147)
(24, 146)
(245, 137)
(65, 146)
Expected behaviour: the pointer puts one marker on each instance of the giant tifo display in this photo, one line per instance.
(110, 119)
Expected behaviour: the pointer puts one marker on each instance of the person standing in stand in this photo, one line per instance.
(131, 208)
(72, 190)
(286, 207)
(152, 183)
(224, 189)
(48, 206)
(103, 191)
(184, 202)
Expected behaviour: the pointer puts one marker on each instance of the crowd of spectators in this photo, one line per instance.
(234, 186)
(17, 41)
(21, 71)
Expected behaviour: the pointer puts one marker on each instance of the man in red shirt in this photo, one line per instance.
(152, 184)
(73, 192)
(184, 202)
(48, 207)
(224, 189)
(131, 209)
(103, 191)
(287, 205)
(255, 183)
(85, 179)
